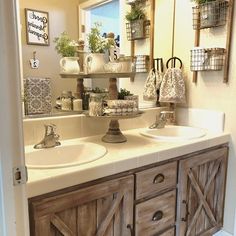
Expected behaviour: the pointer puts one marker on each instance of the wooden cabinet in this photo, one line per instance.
(201, 193)
(110, 207)
(104, 209)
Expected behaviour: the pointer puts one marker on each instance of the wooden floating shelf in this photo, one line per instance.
(99, 75)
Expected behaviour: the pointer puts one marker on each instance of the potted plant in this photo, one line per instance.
(209, 13)
(67, 49)
(136, 22)
(98, 46)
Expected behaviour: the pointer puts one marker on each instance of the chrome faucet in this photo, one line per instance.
(162, 119)
(50, 138)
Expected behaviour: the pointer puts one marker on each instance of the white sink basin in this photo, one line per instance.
(174, 133)
(64, 156)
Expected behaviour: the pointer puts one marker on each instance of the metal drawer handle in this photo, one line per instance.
(131, 230)
(159, 179)
(157, 216)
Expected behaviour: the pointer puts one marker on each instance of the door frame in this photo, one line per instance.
(13, 199)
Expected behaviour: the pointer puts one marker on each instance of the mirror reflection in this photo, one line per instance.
(40, 64)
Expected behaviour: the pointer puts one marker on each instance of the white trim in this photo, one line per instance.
(14, 211)
(235, 222)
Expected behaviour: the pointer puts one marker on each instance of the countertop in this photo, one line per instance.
(138, 151)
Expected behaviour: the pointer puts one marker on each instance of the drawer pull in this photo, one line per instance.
(157, 216)
(159, 179)
(131, 230)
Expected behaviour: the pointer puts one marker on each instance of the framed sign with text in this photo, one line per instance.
(37, 27)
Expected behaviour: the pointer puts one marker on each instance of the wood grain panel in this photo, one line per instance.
(86, 219)
(165, 178)
(103, 206)
(201, 193)
(145, 212)
(170, 232)
(68, 216)
(82, 196)
(111, 201)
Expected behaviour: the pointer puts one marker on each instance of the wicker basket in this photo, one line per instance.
(207, 59)
(210, 14)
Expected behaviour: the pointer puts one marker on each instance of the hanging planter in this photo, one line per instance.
(209, 13)
(137, 29)
(137, 26)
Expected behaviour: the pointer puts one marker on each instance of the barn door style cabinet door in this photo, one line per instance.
(103, 210)
(201, 193)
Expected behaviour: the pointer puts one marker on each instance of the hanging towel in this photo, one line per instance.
(38, 96)
(173, 87)
(152, 83)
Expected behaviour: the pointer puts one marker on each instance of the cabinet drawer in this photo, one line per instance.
(156, 214)
(156, 179)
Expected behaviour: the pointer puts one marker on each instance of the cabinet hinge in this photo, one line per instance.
(20, 175)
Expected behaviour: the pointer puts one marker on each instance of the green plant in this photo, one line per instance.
(65, 46)
(203, 1)
(136, 13)
(97, 43)
(123, 93)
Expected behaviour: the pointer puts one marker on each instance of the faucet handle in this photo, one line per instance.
(50, 129)
(168, 116)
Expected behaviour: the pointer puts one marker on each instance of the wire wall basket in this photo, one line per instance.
(138, 29)
(207, 59)
(210, 14)
(142, 63)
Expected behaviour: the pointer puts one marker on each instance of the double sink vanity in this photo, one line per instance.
(168, 181)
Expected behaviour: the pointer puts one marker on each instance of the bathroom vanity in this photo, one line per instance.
(142, 187)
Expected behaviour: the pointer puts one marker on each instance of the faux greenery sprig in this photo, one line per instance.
(123, 93)
(136, 13)
(97, 43)
(65, 46)
(202, 1)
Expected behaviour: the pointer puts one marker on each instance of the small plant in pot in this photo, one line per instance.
(136, 25)
(66, 47)
(212, 13)
(98, 46)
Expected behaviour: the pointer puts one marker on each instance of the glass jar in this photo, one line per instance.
(66, 101)
(96, 104)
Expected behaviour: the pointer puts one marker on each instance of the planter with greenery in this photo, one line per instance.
(136, 22)
(66, 47)
(209, 13)
(98, 46)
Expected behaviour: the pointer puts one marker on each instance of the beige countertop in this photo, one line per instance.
(138, 151)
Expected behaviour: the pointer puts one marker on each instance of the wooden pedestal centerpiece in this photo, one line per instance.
(113, 135)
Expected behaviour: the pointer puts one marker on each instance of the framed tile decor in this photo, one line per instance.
(37, 27)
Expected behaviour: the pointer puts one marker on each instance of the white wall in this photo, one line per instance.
(210, 92)
(62, 17)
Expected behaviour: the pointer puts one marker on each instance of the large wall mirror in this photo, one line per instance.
(65, 15)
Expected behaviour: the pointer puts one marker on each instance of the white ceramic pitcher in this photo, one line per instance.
(94, 62)
(70, 65)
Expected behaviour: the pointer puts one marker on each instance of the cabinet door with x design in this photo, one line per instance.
(201, 193)
(103, 209)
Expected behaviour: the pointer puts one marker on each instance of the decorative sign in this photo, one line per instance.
(37, 27)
